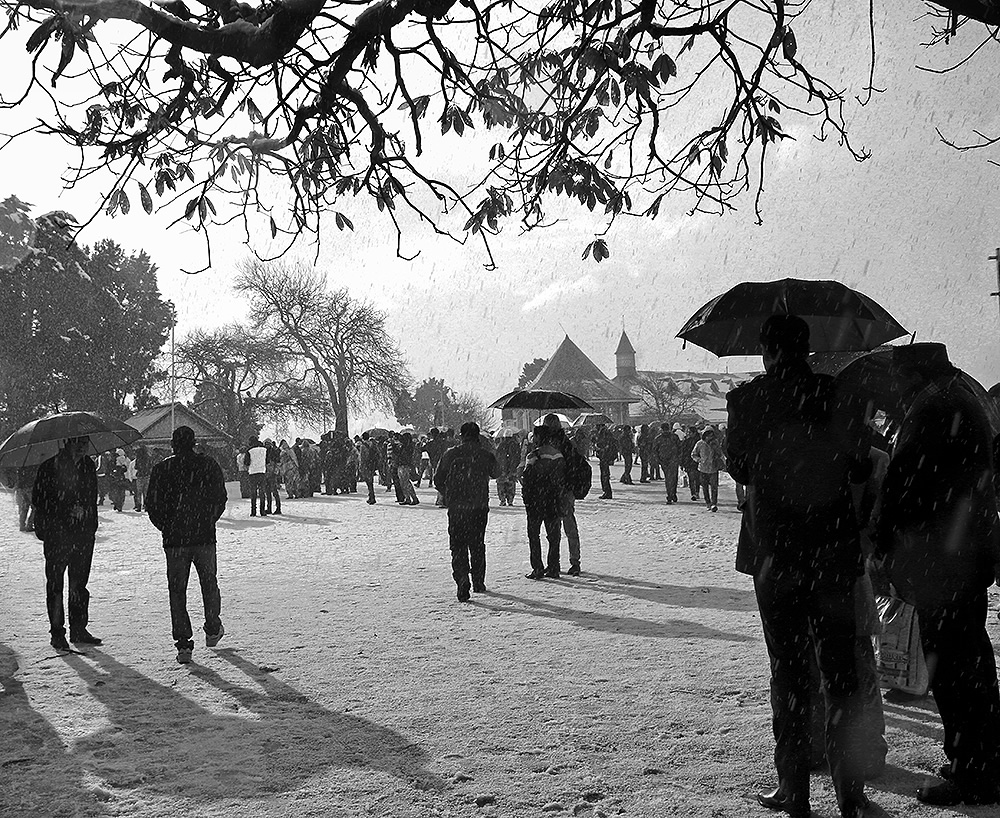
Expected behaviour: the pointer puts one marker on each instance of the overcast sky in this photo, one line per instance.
(912, 227)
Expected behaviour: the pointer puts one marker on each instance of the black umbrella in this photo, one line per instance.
(541, 399)
(868, 376)
(41, 439)
(839, 318)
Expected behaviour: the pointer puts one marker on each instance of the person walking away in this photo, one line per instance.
(187, 496)
(105, 461)
(117, 480)
(709, 459)
(939, 532)
(143, 467)
(463, 477)
(404, 467)
(644, 446)
(576, 484)
(626, 444)
(798, 447)
(688, 463)
(368, 464)
(508, 457)
(308, 459)
(272, 477)
(326, 462)
(65, 500)
(607, 454)
(289, 466)
(256, 463)
(667, 451)
(542, 485)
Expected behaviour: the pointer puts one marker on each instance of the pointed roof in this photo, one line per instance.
(154, 424)
(570, 370)
(624, 346)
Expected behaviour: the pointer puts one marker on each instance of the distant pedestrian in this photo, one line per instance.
(626, 444)
(118, 480)
(606, 445)
(709, 457)
(463, 477)
(187, 496)
(272, 477)
(542, 485)
(65, 500)
(690, 439)
(508, 461)
(404, 469)
(667, 450)
(255, 460)
(289, 465)
(308, 468)
(368, 464)
(143, 467)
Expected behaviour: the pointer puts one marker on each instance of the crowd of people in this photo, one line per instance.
(832, 512)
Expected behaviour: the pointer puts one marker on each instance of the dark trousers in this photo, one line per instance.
(963, 672)
(694, 481)
(670, 471)
(553, 531)
(605, 478)
(271, 484)
(644, 469)
(799, 614)
(179, 562)
(72, 554)
(710, 487)
(626, 477)
(467, 539)
(370, 482)
(258, 491)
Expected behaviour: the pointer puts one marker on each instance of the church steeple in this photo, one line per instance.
(625, 358)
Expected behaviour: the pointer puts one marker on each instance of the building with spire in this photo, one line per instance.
(570, 370)
(675, 395)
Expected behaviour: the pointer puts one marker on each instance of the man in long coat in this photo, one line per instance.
(792, 440)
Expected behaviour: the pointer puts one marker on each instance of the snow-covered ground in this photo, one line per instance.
(350, 682)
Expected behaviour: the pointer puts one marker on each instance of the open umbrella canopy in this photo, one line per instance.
(592, 419)
(867, 376)
(839, 318)
(540, 399)
(41, 439)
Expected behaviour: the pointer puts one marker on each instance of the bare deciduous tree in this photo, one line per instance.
(342, 341)
(192, 104)
(664, 400)
(241, 379)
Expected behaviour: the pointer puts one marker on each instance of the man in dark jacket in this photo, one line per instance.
(187, 496)
(687, 462)
(143, 467)
(626, 441)
(606, 446)
(543, 484)
(463, 477)
(938, 526)
(667, 450)
(799, 449)
(65, 500)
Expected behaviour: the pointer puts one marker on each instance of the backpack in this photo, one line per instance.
(579, 474)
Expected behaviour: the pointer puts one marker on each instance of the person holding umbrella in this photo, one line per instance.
(65, 500)
(792, 440)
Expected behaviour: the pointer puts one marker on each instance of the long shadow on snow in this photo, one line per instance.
(37, 774)
(273, 740)
(681, 596)
(630, 625)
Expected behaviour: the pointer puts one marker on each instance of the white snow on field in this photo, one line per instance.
(351, 683)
